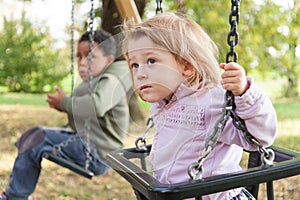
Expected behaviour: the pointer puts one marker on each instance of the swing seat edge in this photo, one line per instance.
(287, 163)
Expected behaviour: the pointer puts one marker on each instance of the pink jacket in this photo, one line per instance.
(182, 125)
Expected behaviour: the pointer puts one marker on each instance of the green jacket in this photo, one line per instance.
(104, 114)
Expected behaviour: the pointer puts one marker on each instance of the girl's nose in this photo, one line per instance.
(142, 72)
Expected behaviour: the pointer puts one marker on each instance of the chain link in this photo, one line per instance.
(229, 110)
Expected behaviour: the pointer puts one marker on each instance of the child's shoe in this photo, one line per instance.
(3, 196)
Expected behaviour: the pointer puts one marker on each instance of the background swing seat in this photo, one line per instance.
(67, 164)
(286, 164)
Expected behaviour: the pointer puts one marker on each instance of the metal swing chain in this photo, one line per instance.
(87, 128)
(58, 147)
(142, 140)
(232, 40)
(72, 45)
(229, 109)
(195, 169)
(91, 45)
(158, 6)
(87, 123)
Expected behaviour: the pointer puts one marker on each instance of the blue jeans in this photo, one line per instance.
(31, 146)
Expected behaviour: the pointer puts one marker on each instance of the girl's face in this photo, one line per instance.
(156, 74)
(100, 62)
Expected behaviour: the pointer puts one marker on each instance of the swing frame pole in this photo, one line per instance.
(128, 10)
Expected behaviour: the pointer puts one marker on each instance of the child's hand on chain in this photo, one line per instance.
(234, 78)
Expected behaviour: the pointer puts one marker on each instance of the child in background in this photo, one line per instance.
(174, 67)
(106, 108)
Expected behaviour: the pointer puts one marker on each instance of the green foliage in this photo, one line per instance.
(277, 30)
(28, 63)
(268, 35)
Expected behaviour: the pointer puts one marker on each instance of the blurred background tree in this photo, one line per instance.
(27, 61)
(269, 44)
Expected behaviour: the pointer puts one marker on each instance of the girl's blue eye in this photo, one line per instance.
(151, 61)
(134, 65)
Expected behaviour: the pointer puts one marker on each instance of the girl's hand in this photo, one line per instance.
(234, 78)
(54, 100)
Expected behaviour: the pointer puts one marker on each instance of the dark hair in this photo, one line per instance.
(105, 40)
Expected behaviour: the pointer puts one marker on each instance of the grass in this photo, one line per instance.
(23, 99)
(288, 110)
(19, 112)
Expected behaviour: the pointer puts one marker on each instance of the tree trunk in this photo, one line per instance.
(292, 84)
(291, 74)
(111, 20)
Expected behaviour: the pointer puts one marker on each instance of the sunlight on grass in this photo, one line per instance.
(287, 110)
(288, 141)
(23, 99)
(289, 127)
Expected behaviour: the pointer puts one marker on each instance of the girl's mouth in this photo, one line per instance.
(144, 87)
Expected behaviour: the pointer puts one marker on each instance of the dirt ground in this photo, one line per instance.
(61, 184)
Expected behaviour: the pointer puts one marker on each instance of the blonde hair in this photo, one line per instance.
(182, 37)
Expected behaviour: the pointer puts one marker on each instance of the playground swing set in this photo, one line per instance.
(264, 166)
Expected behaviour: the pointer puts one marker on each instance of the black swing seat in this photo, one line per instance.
(70, 165)
(286, 164)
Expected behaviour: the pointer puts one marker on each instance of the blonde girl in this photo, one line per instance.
(174, 66)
